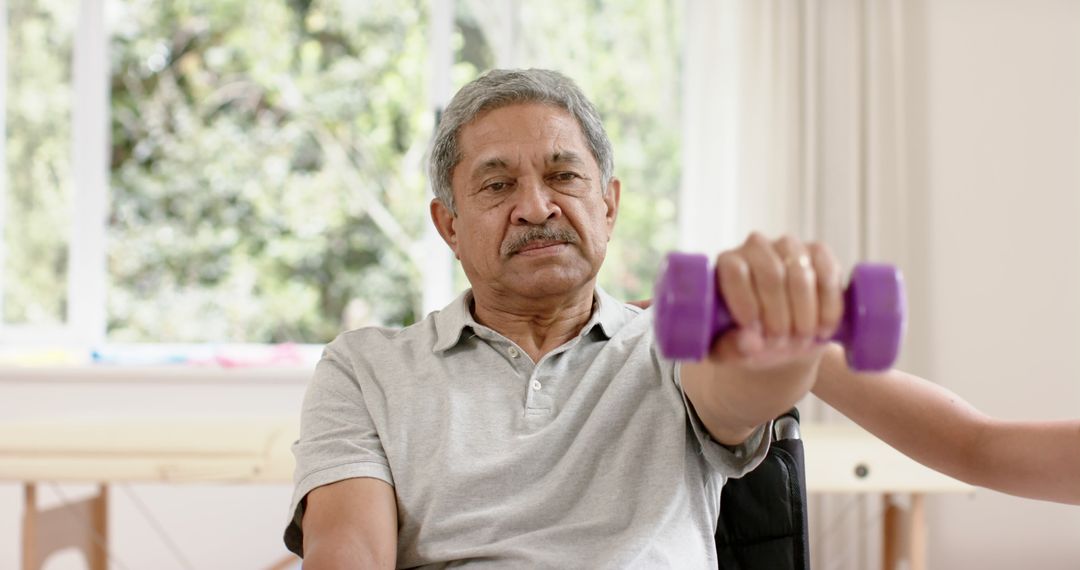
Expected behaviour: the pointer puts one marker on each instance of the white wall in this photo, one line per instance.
(997, 145)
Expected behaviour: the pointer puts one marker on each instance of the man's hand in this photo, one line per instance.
(785, 298)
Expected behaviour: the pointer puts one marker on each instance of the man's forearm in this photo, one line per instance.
(732, 402)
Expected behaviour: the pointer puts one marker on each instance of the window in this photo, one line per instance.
(262, 171)
(266, 168)
(37, 187)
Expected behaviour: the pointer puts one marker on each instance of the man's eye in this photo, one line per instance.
(496, 186)
(566, 176)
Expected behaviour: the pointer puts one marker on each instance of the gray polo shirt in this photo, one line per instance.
(590, 458)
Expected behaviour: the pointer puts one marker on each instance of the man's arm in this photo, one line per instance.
(1038, 460)
(732, 401)
(783, 296)
(351, 524)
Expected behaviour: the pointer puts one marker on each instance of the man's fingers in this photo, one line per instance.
(769, 285)
(782, 295)
(737, 287)
(801, 285)
(829, 290)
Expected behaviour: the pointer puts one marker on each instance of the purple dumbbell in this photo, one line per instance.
(690, 314)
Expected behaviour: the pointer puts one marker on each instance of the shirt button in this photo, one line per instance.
(513, 352)
(536, 385)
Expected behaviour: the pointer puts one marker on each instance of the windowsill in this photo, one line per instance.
(148, 374)
(140, 363)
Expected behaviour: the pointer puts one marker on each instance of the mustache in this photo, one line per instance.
(538, 233)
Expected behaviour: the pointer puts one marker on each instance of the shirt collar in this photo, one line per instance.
(452, 320)
(609, 313)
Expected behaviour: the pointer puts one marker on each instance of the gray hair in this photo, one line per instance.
(503, 87)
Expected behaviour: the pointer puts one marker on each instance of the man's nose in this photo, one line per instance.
(534, 203)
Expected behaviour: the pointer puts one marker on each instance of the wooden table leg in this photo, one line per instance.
(904, 533)
(82, 525)
(892, 537)
(917, 532)
(30, 559)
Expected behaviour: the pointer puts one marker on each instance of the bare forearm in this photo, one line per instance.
(942, 431)
(733, 403)
(1039, 460)
(922, 420)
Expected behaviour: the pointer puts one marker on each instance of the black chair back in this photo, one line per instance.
(762, 522)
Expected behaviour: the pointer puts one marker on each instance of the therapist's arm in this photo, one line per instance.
(351, 524)
(1033, 459)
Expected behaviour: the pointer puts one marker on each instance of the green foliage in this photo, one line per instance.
(251, 143)
(38, 161)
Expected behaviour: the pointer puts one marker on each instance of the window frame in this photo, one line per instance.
(85, 319)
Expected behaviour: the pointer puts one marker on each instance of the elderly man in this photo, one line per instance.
(531, 422)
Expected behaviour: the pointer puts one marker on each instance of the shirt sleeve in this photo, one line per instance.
(338, 437)
(730, 461)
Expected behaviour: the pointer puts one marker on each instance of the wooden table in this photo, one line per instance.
(843, 458)
(256, 450)
(235, 450)
(175, 441)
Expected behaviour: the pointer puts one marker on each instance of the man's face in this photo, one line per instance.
(532, 219)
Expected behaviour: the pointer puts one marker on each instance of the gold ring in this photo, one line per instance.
(802, 261)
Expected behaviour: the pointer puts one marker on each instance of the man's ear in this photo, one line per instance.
(611, 198)
(443, 219)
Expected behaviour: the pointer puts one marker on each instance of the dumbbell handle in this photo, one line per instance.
(691, 314)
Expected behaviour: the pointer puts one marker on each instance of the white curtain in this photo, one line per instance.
(794, 123)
